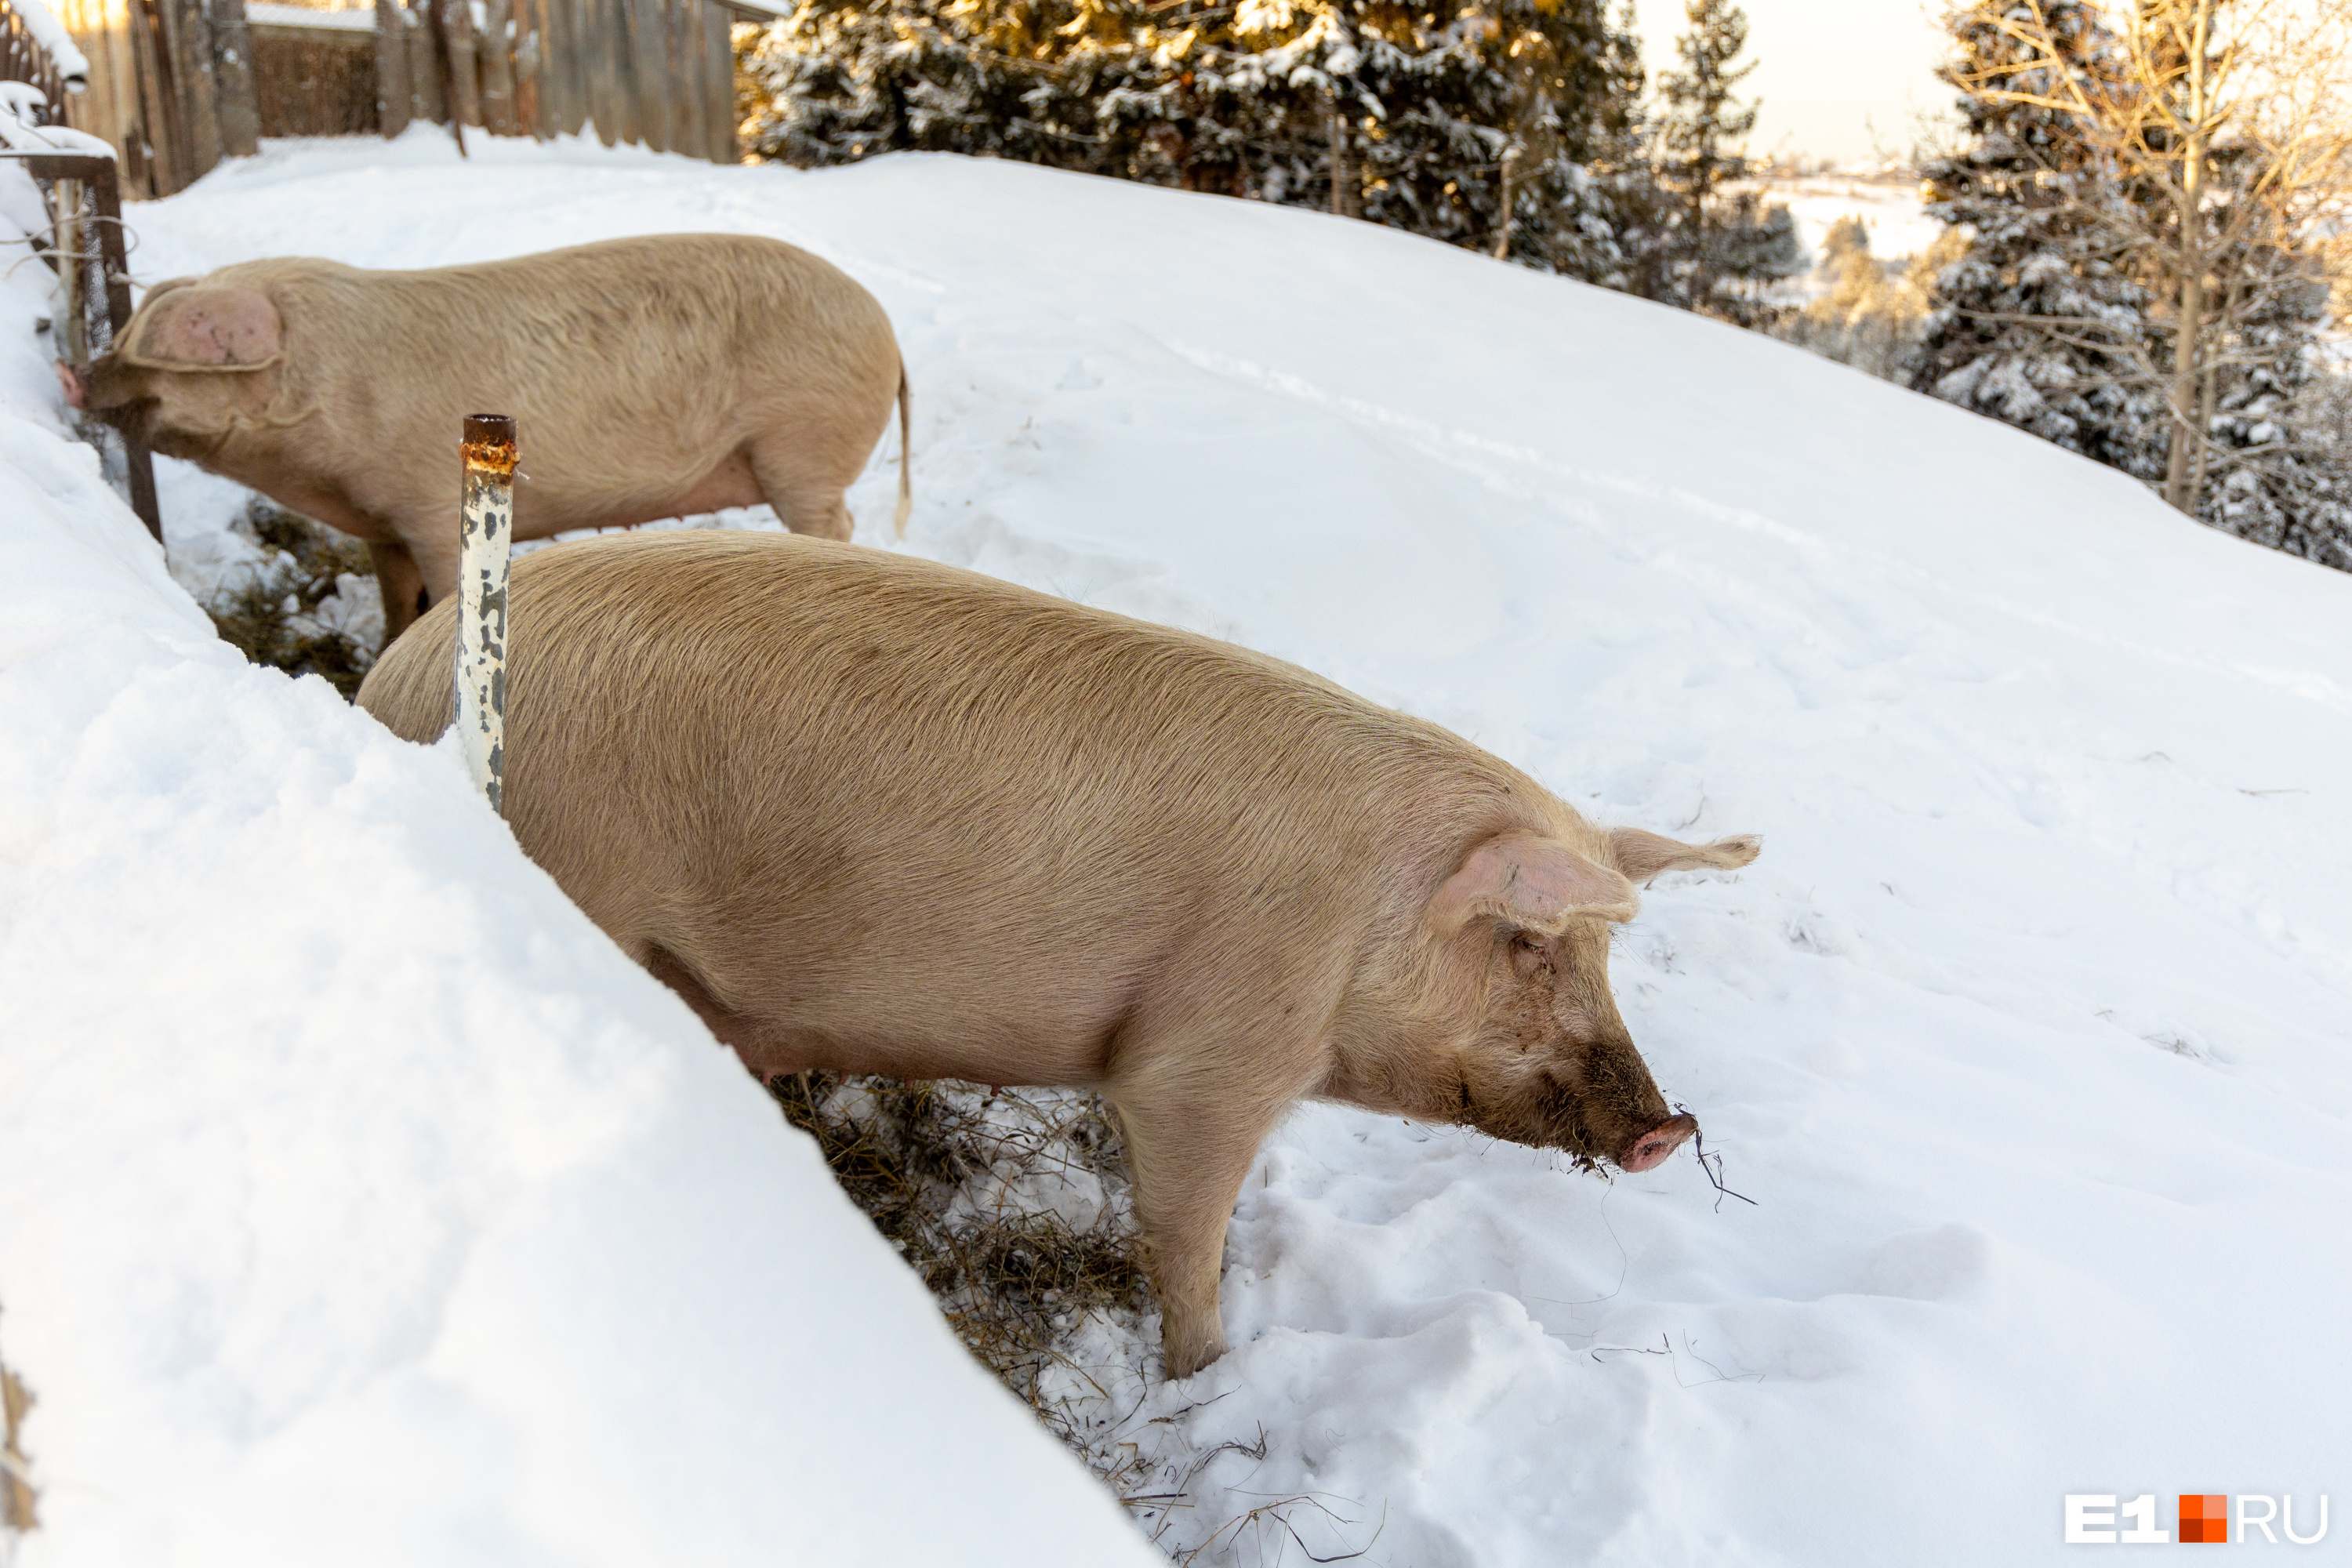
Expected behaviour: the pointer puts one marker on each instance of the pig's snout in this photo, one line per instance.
(71, 384)
(1652, 1147)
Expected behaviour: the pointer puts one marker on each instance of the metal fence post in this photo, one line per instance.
(485, 532)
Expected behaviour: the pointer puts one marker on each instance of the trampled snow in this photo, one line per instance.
(358, 1195)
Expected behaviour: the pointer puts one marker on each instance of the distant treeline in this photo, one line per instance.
(2147, 201)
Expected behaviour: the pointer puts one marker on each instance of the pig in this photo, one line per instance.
(649, 378)
(873, 813)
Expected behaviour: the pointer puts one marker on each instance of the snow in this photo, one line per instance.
(364, 1204)
(379, 1203)
(19, 99)
(1889, 206)
(261, 13)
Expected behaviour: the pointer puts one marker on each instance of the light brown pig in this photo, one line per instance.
(873, 814)
(649, 378)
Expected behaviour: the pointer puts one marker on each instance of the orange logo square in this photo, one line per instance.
(2204, 1517)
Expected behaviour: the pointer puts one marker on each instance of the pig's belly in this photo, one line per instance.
(731, 484)
(811, 1006)
(976, 1050)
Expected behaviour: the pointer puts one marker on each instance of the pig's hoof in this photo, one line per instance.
(1188, 1354)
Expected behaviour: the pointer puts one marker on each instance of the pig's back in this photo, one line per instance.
(630, 365)
(805, 768)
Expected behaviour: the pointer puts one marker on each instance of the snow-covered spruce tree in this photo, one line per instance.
(1706, 129)
(2154, 197)
(2275, 466)
(1705, 252)
(1480, 126)
(2248, 182)
(2040, 323)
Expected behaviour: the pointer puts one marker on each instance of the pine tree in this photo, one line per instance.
(2041, 322)
(1707, 250)
(1703, 125)
(1484, 126)
(2275, 465)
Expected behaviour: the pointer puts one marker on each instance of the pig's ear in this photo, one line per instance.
(1533, 882)
(1642, 855)
(202, 326)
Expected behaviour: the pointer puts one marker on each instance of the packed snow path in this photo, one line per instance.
(2030, 1036)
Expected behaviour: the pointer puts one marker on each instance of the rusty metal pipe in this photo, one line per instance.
(485, 532)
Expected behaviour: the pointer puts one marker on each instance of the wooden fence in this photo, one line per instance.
(22, 58)
(176, 85)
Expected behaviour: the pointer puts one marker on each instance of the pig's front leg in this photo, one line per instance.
(1188, 1146)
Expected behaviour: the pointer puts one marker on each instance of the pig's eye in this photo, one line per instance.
(1527, 953)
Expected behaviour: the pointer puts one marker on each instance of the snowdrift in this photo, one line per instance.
(363, 1202)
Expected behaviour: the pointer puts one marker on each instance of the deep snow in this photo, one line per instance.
(361, 1203)
(2028, 1036)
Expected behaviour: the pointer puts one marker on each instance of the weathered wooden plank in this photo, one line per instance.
(535, 88)
(192, 56)
(108, 109)
(615, 102)
(241, 115)
(159, 109)
(461, 50)
(393, 102)
(719, 81)
(684, 69)
(426, 99)
(567, 27)
(649, 72)
(494, 51)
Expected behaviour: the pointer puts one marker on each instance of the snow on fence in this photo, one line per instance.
(176, 85)
(34, 48)
(81, 196)
(485, 537)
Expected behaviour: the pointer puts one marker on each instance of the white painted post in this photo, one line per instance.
(485, 533)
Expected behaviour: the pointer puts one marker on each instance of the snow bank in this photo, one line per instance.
(2031, 1036)
(362, 1203)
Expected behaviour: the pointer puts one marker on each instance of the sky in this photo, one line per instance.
(1828, 71)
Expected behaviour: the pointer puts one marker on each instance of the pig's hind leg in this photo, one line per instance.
(807, 501)
(402, 583)
(763, 1055)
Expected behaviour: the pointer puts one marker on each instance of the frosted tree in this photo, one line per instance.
(1483, 126)
(1871, 313)
(2158, 200)
(1704, 129)
(1711, 249)
(2041, 322)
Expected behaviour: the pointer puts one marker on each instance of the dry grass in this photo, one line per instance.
(284, 614)
(1015, 1208)
(18, 1503)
